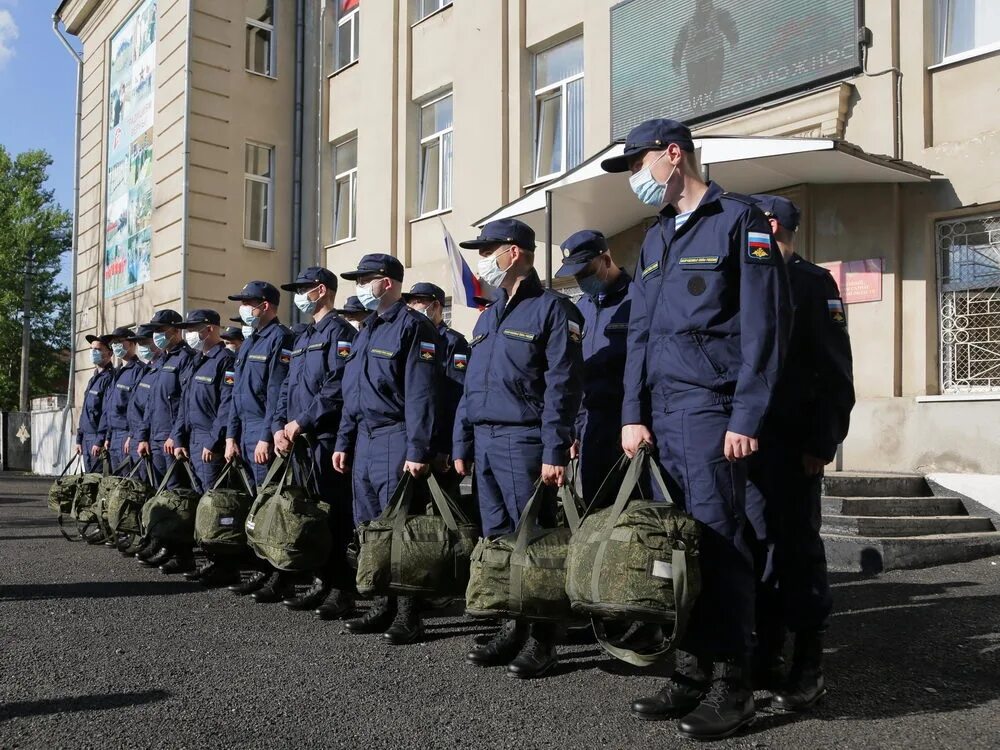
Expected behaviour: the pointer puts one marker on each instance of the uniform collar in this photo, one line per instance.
(712, 195)
(325, 322)
(443, 328)
(264, 328)
(393, 312)
(215, 351)
(616, 291)
(530, 286)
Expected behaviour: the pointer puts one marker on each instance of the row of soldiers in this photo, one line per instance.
(697, 356)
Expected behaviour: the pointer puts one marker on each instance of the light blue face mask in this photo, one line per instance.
(306, 306)
(118, 350)
(145, 352)
(249, 315)
(96, 356)
(592, 285)
(366, 298)
(645, 186)
(160, 340)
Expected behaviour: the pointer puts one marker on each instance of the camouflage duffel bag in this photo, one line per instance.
(63, 489)
(635, 561)
(127, 498)
(416, 553)
(524, 574)
(168, 516)
(222, 511)
(105, 488)
(86, 493)
(287, 524)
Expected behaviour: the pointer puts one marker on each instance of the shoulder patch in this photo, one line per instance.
(575, 332)
(427, 350)
(836, 308)
(461, 361)
(650, 269)
(343, 349)
(758, 247)
(229, 378)
(285, 356)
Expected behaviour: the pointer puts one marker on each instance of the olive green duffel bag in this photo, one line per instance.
(427, 553)
(86, 494)
(524, 574)
(168, 516)
(129, 496)
(635, 561)
(287, 524)
(219, 522)
(105, 488)
(63, 489)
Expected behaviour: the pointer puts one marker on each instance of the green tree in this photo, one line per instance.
(34, 233)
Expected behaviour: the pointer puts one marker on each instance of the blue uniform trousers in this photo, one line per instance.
(161, 463)
(89, 462)
(118, 457)
(713, 490)
(206, 473)
(508, 463)
(379, 456)
(335, 489)
(600, 447)
(248, 444)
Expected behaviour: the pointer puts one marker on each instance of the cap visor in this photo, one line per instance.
(91, 338)
(296, 285)
(476, 244)
(617, 163)
(241, 297)
(352, 275)
(571, 269)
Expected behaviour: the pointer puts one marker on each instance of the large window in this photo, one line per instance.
(965, 27)
(423, 8)
(348, 30)
(969, 297)
(435, 155)
(258, 197)
(260, 37)
(558, 108)
(345, 190)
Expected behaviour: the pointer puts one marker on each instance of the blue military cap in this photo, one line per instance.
(237, 319)
(382, 264)
(353, 306)
(165, 319)
(258, 290)
(782, 209)
(425, 289)
(231, 333)
(200, 317)
(503, 231)
(651, 135)
(142, 332)
(310, 277)
(579, 249)
(121, 333)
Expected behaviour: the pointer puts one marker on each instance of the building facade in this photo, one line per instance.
(426, 115)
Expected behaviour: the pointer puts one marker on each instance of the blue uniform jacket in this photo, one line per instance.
(526, 369)
(710, 314)
(261, 367)
(392, 378)
(140, 400)
(94, 402)
(815, 393)
(205, 406)
(126, 378)
(312, 393)
(167, 385)
(605, 334)
(456, 363)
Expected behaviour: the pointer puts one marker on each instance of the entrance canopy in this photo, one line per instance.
(587, 197)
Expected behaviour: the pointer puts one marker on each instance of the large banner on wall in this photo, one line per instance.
(127, 230)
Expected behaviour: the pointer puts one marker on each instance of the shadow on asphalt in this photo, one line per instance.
(95, 590)
(20, 500)
(22, 709)
(30, 536)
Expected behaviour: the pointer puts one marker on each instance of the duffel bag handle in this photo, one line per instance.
(146, 462)
(127, 462)
(105, 461)
(264, 490)
(77, 459)
(450, 513)
(166, 478)
(237, 467)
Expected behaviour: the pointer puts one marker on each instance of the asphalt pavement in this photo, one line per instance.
(96, 651)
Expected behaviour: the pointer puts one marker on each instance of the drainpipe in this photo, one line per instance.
(298, 138)
(320, 135)
(897, 135)
(548, 239)
(187, 161)
(76, 205)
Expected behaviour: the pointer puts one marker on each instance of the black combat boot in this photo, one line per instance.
(378, 617)
(124, 542)
(149, 548)
(220, 575)
(538, 654)
(501, 648)
(181, 562)
(311, 597)
(768, 662)
(94, 537)
(684, 690)
(138, 544)
(408, 626)
(162, 555)
(805, 684)
(726, 708)
(195, 575)
(338, 604)
(250, 585)
(276, 588)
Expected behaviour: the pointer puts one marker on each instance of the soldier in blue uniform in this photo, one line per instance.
(523, 389)
(809, 417)
(232, 336)
(605, 306)
(388, 425)
(91, 435)
(707, 331)
(168, 383)
(126, 376)
(354, 312)
(309, 408)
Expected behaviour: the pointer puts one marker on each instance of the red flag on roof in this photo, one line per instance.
(348, 5)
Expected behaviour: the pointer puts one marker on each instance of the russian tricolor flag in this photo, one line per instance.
(465, 285)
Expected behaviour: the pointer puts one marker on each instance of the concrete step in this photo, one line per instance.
(860, 554)
(855, 484)
(933, 505)
(893, 526)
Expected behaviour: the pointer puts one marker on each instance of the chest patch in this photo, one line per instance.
(169, 368)
(699, 260)
(519, 335)
(204, 378)
(461, 361)
(343, 349)
(696, 286)
(616, 328)
(384, 353)
(427, 350)
(257, 358)
(758, 246)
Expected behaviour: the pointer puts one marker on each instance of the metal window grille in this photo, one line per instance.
(968, 252)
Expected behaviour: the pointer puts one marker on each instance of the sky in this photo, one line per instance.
(38, 93)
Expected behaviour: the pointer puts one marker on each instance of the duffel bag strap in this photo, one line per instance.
(126, 463)
(264, 490)
(396, 511)
(166, 477)
(77, 459)
(450, 513)
(567, 496)
(522, 538)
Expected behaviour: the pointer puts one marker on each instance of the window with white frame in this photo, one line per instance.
(258, 196)
(435, 155)
(423, 8)
(965, 26)
(345, 190)
(968, 251)
(558, 115)
(260, 37)
(348, 30)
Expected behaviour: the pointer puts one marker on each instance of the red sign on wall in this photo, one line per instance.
(858, 280)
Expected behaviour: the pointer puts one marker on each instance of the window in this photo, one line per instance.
(345, 190)
(968, 252)
(965, 26)
(558, 108)
(260, 37)
(258, 198)
(435, 155)
(424, 8)
(348, 25)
